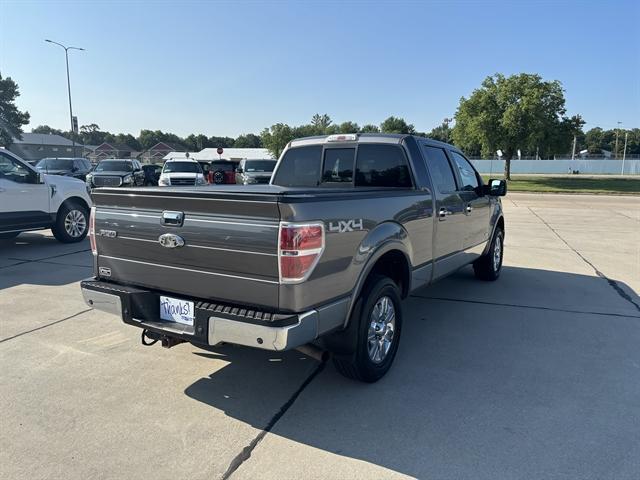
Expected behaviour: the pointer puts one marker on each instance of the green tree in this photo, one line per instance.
(396, 125)
(276, 137)
(248, 141)
(195, 143)
(11, 119)
(594, 140)
(510, 113)
(441, 133)
(370, 128)
(47, 130)
(148, 138)
(92, 135)
(348, 127)
(321, 122)
(224, 142)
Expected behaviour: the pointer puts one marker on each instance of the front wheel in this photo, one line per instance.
(488, 266)
(379, 323)
(71, 223)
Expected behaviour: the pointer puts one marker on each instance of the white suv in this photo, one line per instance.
(30, 200)
(181, 172)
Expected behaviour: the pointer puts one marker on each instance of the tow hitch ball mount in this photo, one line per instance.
(149, 338)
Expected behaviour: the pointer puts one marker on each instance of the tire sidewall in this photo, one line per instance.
(380, 287)
(499, 234)
(60, 232)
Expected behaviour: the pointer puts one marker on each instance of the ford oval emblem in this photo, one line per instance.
(169, 240)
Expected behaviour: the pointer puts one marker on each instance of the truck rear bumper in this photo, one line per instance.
(214, 323)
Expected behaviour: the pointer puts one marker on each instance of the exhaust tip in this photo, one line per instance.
(314, 352)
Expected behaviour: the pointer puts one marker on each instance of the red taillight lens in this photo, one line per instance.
(300, 250)
(304, 237)
(92, 231)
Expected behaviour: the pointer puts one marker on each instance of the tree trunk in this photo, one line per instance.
(507, 168)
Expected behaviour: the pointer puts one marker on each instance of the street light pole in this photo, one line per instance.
(66, 55)
(617, 132)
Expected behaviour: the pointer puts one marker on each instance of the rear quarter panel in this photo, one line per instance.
(390, 219)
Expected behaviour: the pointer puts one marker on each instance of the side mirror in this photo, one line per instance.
(40, 177)
(496, 188)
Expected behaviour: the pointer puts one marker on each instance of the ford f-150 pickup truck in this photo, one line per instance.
(348, 226)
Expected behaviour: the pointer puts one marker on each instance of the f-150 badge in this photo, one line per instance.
(342, 226)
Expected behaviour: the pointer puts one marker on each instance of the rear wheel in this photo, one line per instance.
(71, 223)
(488, 266)
(378, 317)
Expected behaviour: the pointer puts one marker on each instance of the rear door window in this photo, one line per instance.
(382, 166)
(299, 167)
(338, 165)
(440, 169)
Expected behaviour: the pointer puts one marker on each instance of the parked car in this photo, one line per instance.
(181, 172)
(114, 172)
(32, 200)
(70, 167)
(254, 171)
(222, 172)
(151, 174)
(349, 226)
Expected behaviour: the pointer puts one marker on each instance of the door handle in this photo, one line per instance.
(443, 213)
(469, 208)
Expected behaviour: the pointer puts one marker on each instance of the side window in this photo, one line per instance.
(467, 172)
(14, 171)
(440, 169)
(382, 166)
(300, 167)
(338, 165)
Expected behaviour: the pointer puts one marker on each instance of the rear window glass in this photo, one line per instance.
(382, 166)
(259, 165)
(299, 167)
(224, 166)
(182, 167)
(338, 165)
(440, 169)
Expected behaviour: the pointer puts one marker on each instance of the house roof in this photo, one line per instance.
(121, 147)
(174, 147)
(43, 139)
(227, 154)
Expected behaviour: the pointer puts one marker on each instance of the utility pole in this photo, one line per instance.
(573, 151)
(616, 148)
(66, 55)
(624, 152)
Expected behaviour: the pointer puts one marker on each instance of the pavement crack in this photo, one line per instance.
(245, 454)
(533, 307)
(612, 283)
(47, 325)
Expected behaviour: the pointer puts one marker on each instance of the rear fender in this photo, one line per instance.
(382, 239)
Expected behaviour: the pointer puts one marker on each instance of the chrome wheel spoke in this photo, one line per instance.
(75, 223)
(381, 329)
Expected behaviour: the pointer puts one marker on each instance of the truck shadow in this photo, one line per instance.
(39, 259)
(507, 382)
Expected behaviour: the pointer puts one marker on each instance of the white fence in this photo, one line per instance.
(593, 167)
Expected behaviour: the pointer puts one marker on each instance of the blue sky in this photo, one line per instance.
(227, 68)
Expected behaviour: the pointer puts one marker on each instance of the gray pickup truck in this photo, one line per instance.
(323, 255)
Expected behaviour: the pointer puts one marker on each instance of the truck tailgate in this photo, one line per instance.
(230, 242)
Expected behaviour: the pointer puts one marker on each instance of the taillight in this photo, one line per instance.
(92, 231)
(300, 247)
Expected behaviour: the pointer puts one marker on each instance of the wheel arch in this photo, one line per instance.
(74, 199)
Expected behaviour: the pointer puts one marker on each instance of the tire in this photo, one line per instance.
(218, 177)
(372, 359)
(72, 223)
(489, 266)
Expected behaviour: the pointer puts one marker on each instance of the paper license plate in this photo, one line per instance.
(176, 310)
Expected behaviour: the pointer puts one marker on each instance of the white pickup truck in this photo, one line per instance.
(30, 200)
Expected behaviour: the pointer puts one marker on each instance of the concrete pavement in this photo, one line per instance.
(535, 376)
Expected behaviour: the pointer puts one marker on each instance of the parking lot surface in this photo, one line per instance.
(534, 376)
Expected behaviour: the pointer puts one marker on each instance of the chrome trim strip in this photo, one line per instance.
(182, 198)
(189, 269)
(187, 219)
(230, 223)
(202, 246)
